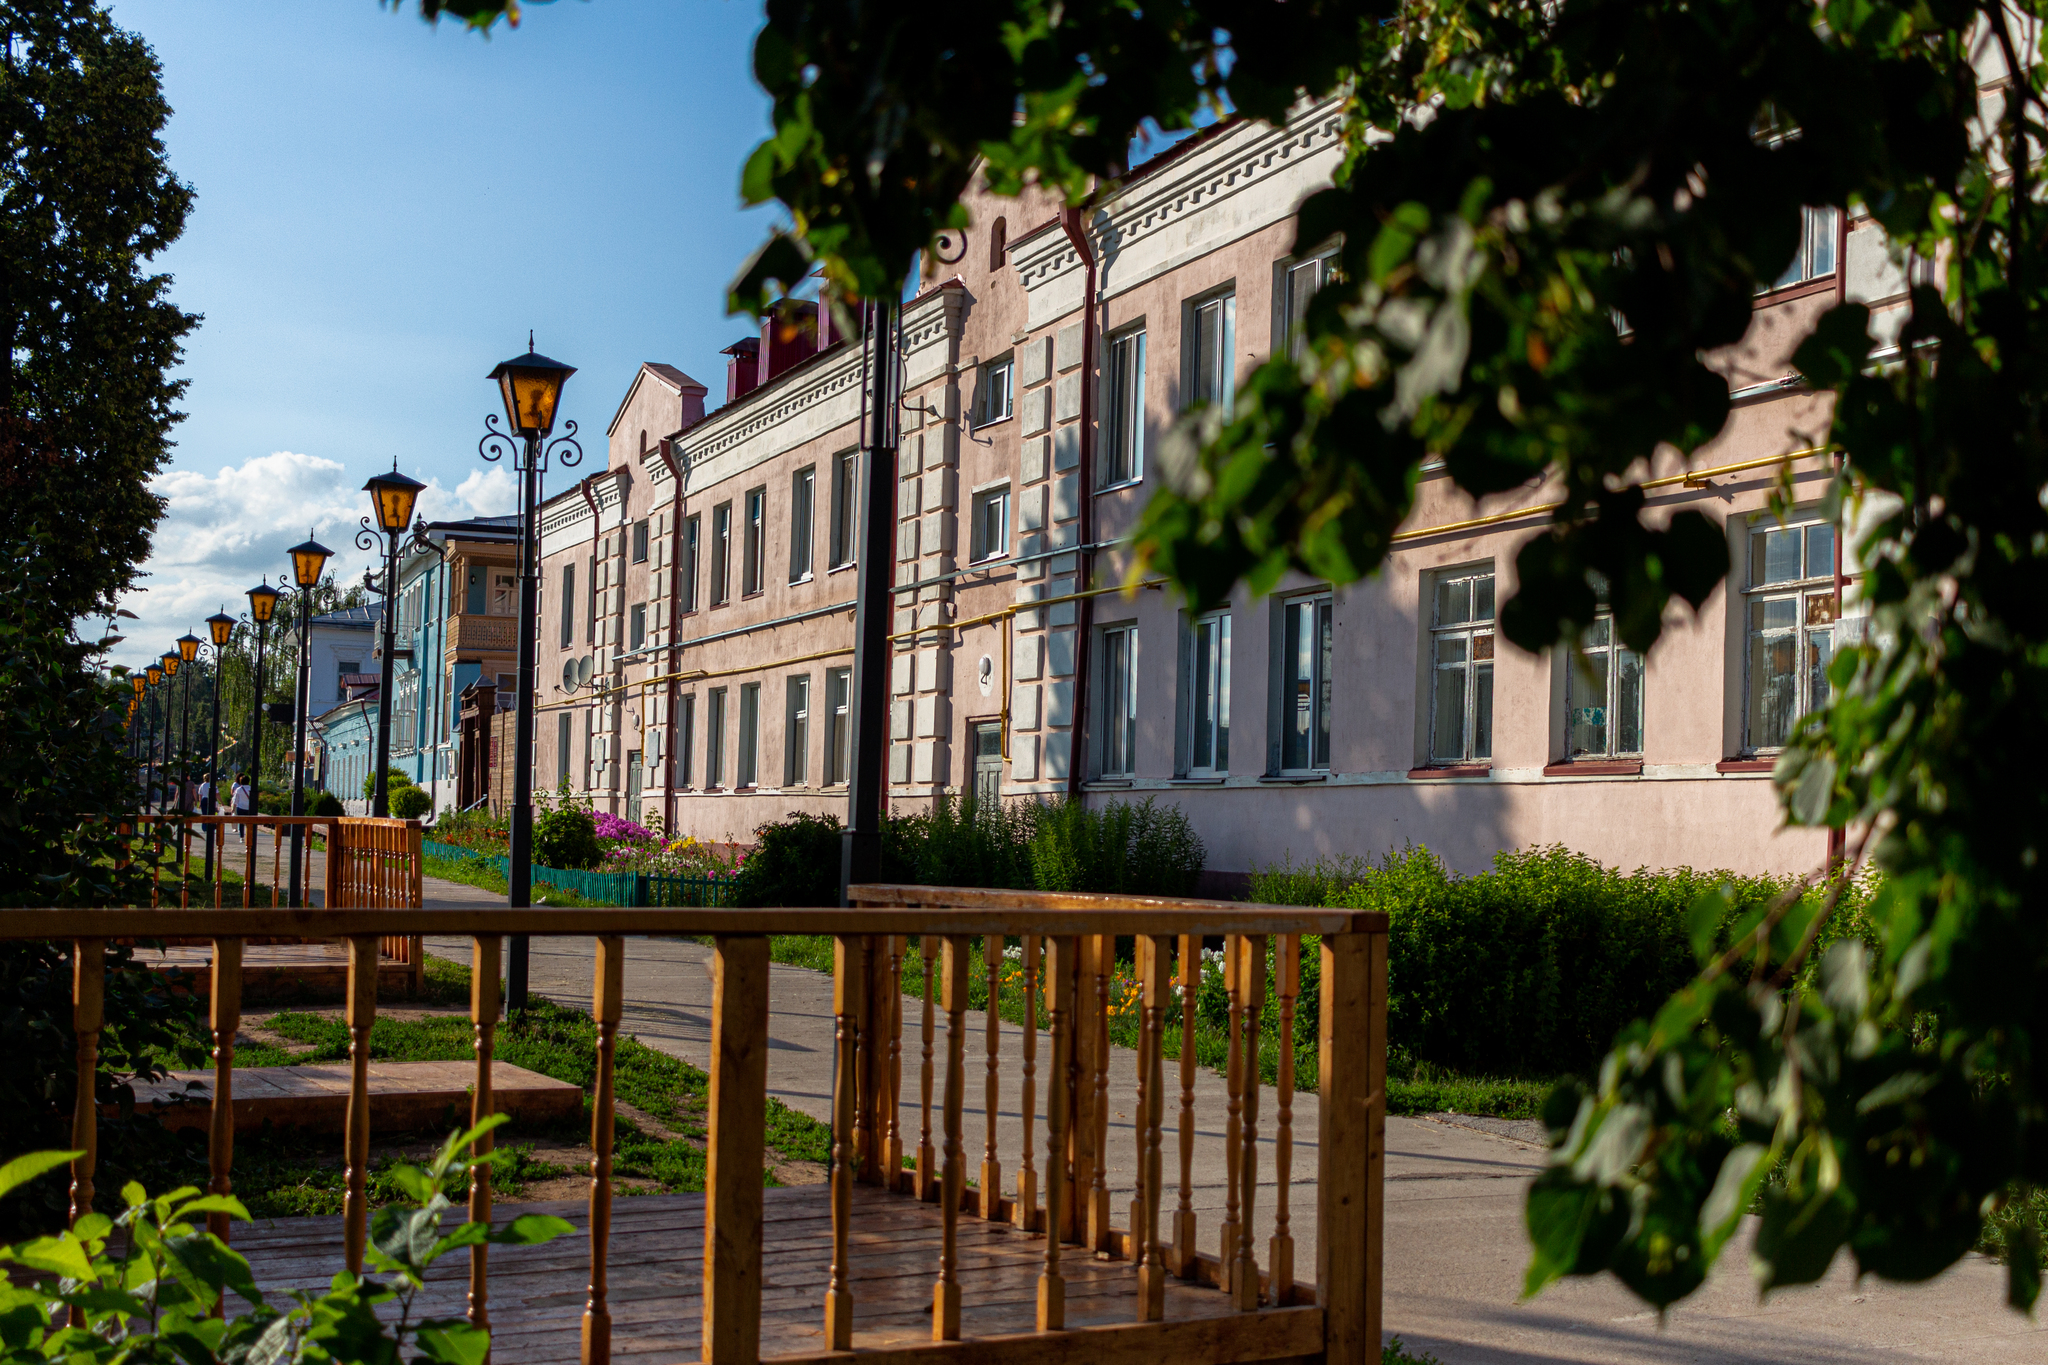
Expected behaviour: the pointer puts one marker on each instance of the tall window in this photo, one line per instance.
(796, 739)
(590, 605)
(1815, 258)
(839, 727)
(721, 554)
(802, 495)
(993, 393)
(1123, 447)
(1211, 346)
(1207, 688)
(845, 505)
(504, 594)
(636, 626)
(991, 523)
(714, 737)
(749, 769)
(685, 738)
(689, 566)
(589, 746)
(1461, 726)
(1306, 629)
(562, 738)
(1792, 612)
(568, 604)
(752, 547)
(640, 542)
(1302, 282)
(1603, 694)
(1119, 700)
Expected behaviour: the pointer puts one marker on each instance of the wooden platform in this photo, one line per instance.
(297, 970)
(657, 1265)
(404, 1096)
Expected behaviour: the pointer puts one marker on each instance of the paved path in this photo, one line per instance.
(1455, 1249)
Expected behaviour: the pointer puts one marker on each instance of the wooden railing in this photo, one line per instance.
(368, 862)
(1067, 944)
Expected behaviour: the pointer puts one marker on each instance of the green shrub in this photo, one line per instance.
(393, 780)
(794, 862)
(1141, 849)
(1534, 966)
(325, 803)
(410, 802)
(960, 843)
(1316, 883)
(566, 838)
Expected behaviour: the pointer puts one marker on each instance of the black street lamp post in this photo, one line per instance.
(188, 651)
(222, 627)
(262, 606)
(155, 674)
(392, 495)
(531, 388)
(309, 561)
(861, 844)
(140, 682)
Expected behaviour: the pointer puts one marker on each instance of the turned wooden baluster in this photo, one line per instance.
(1100, 1235)
(184, 862)
(1060, 955)
(1280, 1252)
(1146, 1248)
(946, 1293)
(1251, 980)
(1025, 1214)
(88, 1017)
(1226, 1251)
(224, 1011)
(991, 1159)
(362, 1013)
(1146, 1078)
(848, 979)
(735, 1150)
(892, 1150)
(1186, 1263)
(249, 832)
(927, 1163)
(1351, 1144)
(607, 1007)
(485, 963)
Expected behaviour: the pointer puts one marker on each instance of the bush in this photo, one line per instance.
(566, 838)
(794, 862)
(1142, 849)
(410, 802)
(1534, 966)
(325, 803)
(393, 780)
(959, 843)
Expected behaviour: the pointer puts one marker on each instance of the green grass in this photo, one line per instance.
(484, 875)
(1412, 1087)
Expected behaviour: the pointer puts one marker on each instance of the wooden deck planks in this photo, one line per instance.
(657, 1267)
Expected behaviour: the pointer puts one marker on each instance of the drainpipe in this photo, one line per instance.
(1084, 474)
(676, 471)
(596, 525)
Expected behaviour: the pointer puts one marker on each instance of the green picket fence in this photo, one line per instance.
(607, 888)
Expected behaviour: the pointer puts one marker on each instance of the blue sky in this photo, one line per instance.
(384, 209)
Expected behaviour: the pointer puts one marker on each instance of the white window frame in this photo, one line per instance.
(845, 507)
(1474, 636)
(1211, 368)
(1819, 254)
(747, 769)
(995, 391)
(803, 499)
(796, 740)
(692, 531)
(1583, 691)
(636, 626)
(1319, 610)
(721, 553)
(754, 543)
(839, 726)
(1117, 749)
(1206, 684)
(686, 736)
(990, 542)
(1300, 281)
(1123, 446)
(714, 737)
(1810, 631)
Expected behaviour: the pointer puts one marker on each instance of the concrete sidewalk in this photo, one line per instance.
(1455, 1248)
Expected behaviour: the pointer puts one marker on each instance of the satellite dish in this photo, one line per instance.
(585, 668)
(568, 675)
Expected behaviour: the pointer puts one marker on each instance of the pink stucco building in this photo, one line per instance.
(702, 581)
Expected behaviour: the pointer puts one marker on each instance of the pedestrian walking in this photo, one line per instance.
(243, 800)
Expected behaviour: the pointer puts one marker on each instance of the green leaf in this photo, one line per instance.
(60, 1255)
(1837, 349)
(23, 1169)
(1735, 1186)
(1797, 1238)
(531, 1229)
(454, 1341)
(1703, 921)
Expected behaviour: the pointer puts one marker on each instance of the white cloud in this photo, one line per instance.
(489, 492)
(222, 533)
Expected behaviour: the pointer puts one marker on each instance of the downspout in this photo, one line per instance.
(676, 471)
(1077, 759)
(596, 525)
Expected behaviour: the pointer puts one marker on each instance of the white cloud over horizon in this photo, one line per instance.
(222, 533)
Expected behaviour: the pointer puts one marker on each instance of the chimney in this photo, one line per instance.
(789, 336)
(743, 371)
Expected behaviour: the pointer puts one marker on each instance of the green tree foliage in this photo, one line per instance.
(410, 802)
(87, 335)
(566, 838)
(1583, 161)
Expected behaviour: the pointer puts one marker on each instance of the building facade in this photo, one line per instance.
(697, 610)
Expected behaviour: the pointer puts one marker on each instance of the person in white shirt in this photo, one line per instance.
(242, 799)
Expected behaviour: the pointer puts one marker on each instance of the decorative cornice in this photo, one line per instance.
(737, 423)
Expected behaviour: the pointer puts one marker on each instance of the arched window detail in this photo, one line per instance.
(998, 245)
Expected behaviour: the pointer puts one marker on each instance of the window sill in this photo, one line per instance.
(989, 561)
(994, 421)
(1214, 780)
(750, 596)
(1118, 487)
(1745, 765)
(1596, 767)
(1107, 784)
(1457, 770)
(1293, 779)
(842, 568)
(1820, 284)
(801, 578)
